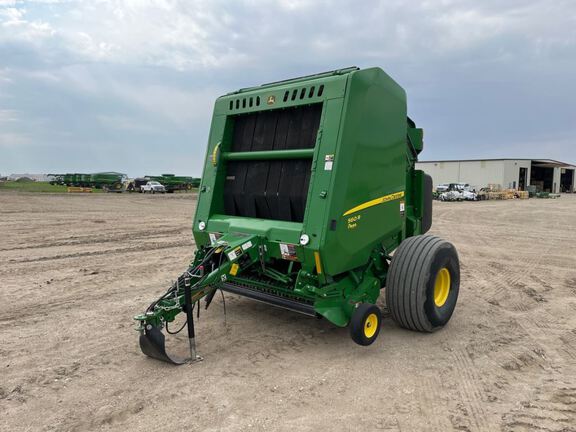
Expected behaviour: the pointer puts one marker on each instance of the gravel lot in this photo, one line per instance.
(74, 269)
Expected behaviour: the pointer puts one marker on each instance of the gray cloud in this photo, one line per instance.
(129, 85)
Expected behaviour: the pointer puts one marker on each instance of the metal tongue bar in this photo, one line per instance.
(190, 322)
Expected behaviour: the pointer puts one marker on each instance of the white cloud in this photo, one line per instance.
(14, 140)
(107, 71)
(177, 106)
(212, 34)
(4, 76)
(125, 123)
(12, 17)
(296, 4)
(15, 27)
(8, 115)
(461, 29)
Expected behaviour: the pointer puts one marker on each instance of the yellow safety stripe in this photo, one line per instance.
(215, 154)
(372, 203)
(318, 263)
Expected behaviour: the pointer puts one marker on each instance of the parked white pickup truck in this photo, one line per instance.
(153, 187)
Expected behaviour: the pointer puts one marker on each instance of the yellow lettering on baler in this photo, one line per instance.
(372, 203)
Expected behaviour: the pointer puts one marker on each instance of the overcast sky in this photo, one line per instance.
(92, 85)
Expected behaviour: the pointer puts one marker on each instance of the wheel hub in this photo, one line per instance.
(370, 325)
(441, 287)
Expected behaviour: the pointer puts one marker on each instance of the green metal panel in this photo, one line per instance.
(417, 138)
(350, 195)
(370, 163)
(173, 182)
(270, 155)
(109, 180)
(210, 200)
(362, 199)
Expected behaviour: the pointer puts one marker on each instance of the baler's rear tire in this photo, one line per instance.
(423, 283)
(365, 324)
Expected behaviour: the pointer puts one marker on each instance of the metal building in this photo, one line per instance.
(546, 174)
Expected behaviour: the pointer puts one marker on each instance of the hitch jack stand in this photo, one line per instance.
(152, 340)
(194, 357)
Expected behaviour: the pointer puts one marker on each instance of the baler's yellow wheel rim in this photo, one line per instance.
(441, 287)
(370, 325)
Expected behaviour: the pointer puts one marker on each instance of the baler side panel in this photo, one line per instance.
(426, 221)
(370, 165)
(317, 213)
(210, 196)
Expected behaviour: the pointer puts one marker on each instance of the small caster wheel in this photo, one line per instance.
(365, 324)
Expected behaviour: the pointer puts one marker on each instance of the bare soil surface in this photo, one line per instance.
(74, 269)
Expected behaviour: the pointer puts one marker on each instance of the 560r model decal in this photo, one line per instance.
(372, 203)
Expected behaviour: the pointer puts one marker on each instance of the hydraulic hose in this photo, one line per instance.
(176, 285)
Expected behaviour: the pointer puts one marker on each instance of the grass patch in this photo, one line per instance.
(31, 186)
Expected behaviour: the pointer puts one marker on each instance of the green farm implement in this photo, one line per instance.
(111, 181)
(309, 186)
(174, 183)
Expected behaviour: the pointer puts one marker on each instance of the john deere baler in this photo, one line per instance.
(308, 187)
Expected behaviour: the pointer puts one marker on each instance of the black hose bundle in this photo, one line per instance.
(175, 286)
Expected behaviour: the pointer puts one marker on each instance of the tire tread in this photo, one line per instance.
(407, 275)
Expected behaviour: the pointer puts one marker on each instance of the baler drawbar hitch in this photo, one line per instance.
(209, 270)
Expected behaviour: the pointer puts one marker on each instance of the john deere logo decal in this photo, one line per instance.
(271, 100)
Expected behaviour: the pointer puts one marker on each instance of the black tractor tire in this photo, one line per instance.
(365, 324)
(423, 283)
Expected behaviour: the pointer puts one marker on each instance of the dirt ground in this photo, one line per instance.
(74, 269)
